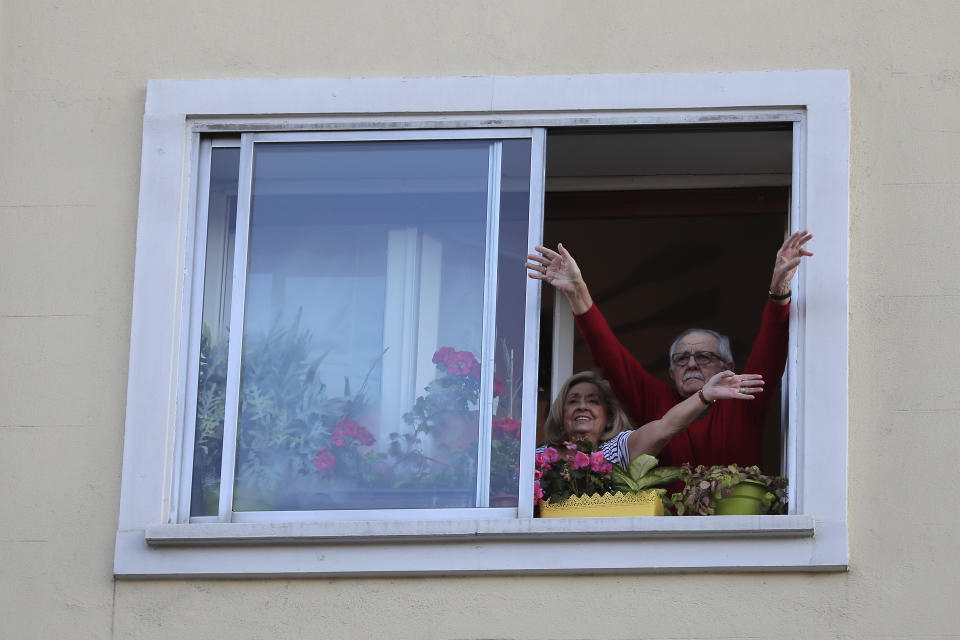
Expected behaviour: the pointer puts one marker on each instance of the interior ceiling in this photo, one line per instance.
(577, 157)
(655, 157)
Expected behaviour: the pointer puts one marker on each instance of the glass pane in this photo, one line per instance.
(360, 374)
(511, 286)
(221, 230)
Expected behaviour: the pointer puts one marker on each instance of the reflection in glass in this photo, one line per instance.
(511, 285)
(360, 374)
(221, 230)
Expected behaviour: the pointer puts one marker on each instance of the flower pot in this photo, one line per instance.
(745, 499)
(645, 503)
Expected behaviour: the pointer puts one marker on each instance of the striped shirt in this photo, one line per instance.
(614, 450)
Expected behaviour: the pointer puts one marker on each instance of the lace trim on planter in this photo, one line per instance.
(645, 497)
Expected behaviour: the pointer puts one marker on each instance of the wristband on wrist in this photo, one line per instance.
(703, 398)
(774, 296)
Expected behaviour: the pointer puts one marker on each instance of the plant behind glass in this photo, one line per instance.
(286, 421)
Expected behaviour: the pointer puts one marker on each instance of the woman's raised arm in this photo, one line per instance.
(726, 385)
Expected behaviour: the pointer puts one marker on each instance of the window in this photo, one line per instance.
(377, 336)
(375, 245)
(656, 217)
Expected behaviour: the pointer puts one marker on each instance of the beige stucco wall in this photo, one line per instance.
(72, 87)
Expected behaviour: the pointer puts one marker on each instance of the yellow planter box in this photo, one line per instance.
(645, 503)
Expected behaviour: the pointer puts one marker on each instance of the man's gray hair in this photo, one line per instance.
(723, 344)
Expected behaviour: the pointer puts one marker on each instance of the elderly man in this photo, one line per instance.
(726, 432)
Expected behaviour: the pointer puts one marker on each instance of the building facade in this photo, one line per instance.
(111, 112)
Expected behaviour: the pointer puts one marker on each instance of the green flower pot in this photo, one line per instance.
(745, 499)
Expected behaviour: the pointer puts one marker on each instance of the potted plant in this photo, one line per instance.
(643, 474)
(296, 440)
(730, 490)
(504, 462)
(437, 454)
(301, 447)
(447, 415)
(578, 481)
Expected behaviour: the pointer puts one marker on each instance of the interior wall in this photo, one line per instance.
(72, 89)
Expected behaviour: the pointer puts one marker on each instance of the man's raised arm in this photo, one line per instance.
(785, 265)
(769, 353)
(637, 390)
(558, 268)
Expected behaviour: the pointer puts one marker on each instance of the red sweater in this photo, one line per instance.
(731, 431)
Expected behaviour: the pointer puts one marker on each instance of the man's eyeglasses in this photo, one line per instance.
(700, 357)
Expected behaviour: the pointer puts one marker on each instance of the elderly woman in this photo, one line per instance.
(586, 409)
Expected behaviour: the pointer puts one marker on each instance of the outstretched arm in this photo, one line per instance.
(726, 385)
(786, 263)
(642, 395)
(559, 269)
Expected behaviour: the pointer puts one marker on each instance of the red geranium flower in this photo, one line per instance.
(349, 428)
(325, 460)
(459, 363)
(507, 426)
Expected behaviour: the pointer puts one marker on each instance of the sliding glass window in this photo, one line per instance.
(359, 340)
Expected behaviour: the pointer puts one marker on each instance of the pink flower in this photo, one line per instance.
(537, 474)
(599, 463)
(324, 460)
(541, 462)
(579, 460)
(550, 455)
(537, 493)
(570, 446)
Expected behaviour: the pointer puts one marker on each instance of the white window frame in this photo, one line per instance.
(403, 323)
(812, 537)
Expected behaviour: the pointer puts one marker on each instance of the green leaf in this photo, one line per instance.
(640, 465)
(621, 480)
(660, 475)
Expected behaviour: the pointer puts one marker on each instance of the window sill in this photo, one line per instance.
(480, 547)
(529, 530)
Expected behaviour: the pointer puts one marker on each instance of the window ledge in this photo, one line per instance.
(481, 547)
(536, 529)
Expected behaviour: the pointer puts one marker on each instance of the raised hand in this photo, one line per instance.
(788, 259)
(727, 385)
(652, 437)
(557, 268)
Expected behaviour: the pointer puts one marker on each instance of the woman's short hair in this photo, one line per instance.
(553, 425)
